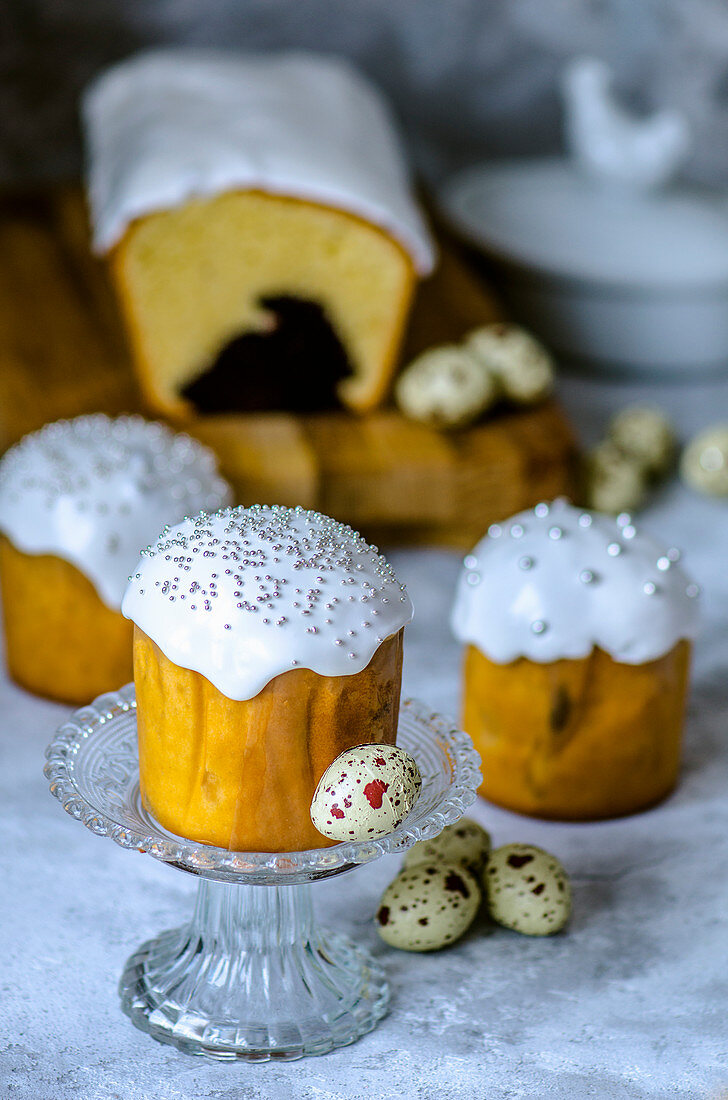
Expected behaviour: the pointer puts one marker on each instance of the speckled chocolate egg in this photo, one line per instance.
(704, 462)
(521, 364)
(464, 842)
(365, 792)
(527, 890)
(645, 434)
(445, 387)
(428, 906)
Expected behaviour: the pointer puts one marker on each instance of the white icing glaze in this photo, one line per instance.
(171, 124)
(95, 490)
(249, 593)
(557, 581)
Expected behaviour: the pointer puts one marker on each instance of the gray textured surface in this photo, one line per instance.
(470, 78)
(630, 1004)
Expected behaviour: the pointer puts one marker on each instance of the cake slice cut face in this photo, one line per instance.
(247, 301)
(262, 235)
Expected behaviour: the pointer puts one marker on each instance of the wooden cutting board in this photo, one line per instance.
(63, 352)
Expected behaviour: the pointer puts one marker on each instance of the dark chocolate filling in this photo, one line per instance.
(295, 367)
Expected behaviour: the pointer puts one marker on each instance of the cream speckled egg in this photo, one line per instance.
(704, 462)
(366, 792)
(464, 842)
(428, 906)
(521, 364)
(645, 434)
(527, 890)
(445, 387)
(614, 481)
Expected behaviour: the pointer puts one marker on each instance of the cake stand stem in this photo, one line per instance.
(252, 977)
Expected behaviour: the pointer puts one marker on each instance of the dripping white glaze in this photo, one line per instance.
(557, 581)
(94, 491)
(249, 593)
(169, 125)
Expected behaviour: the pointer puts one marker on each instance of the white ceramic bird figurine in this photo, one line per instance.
(610, 142)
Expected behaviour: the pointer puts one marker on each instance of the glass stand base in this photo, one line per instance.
(251, 977)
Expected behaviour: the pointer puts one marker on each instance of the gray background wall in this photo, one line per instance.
(470, 78)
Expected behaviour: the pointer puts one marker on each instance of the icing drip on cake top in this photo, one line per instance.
(557, 581)
(249, 593)
(169, 125)
(94, 491)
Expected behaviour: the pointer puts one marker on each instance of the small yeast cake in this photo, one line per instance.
(578, 631)
(79, 499)
(261, 230)
(267, 641)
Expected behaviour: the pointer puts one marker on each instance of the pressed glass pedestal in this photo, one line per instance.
(251, 975)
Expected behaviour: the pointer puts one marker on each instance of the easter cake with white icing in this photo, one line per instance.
(267, 641)
(263, 236)
(79, 500)
(578, 631)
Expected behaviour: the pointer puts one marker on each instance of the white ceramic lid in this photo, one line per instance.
(249, 593)
(557, 581)
(94, 491)
(548, 216)
(172, 124)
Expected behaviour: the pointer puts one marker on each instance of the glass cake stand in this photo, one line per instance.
(251, 975)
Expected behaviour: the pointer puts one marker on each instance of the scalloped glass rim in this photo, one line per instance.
(144, 834)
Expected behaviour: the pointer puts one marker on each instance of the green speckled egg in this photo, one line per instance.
(527, 890)
(614, 481)
(704, 462)
(646, 434)
(428, 906)
(521, 364)
(445, 387)
(464, 842)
